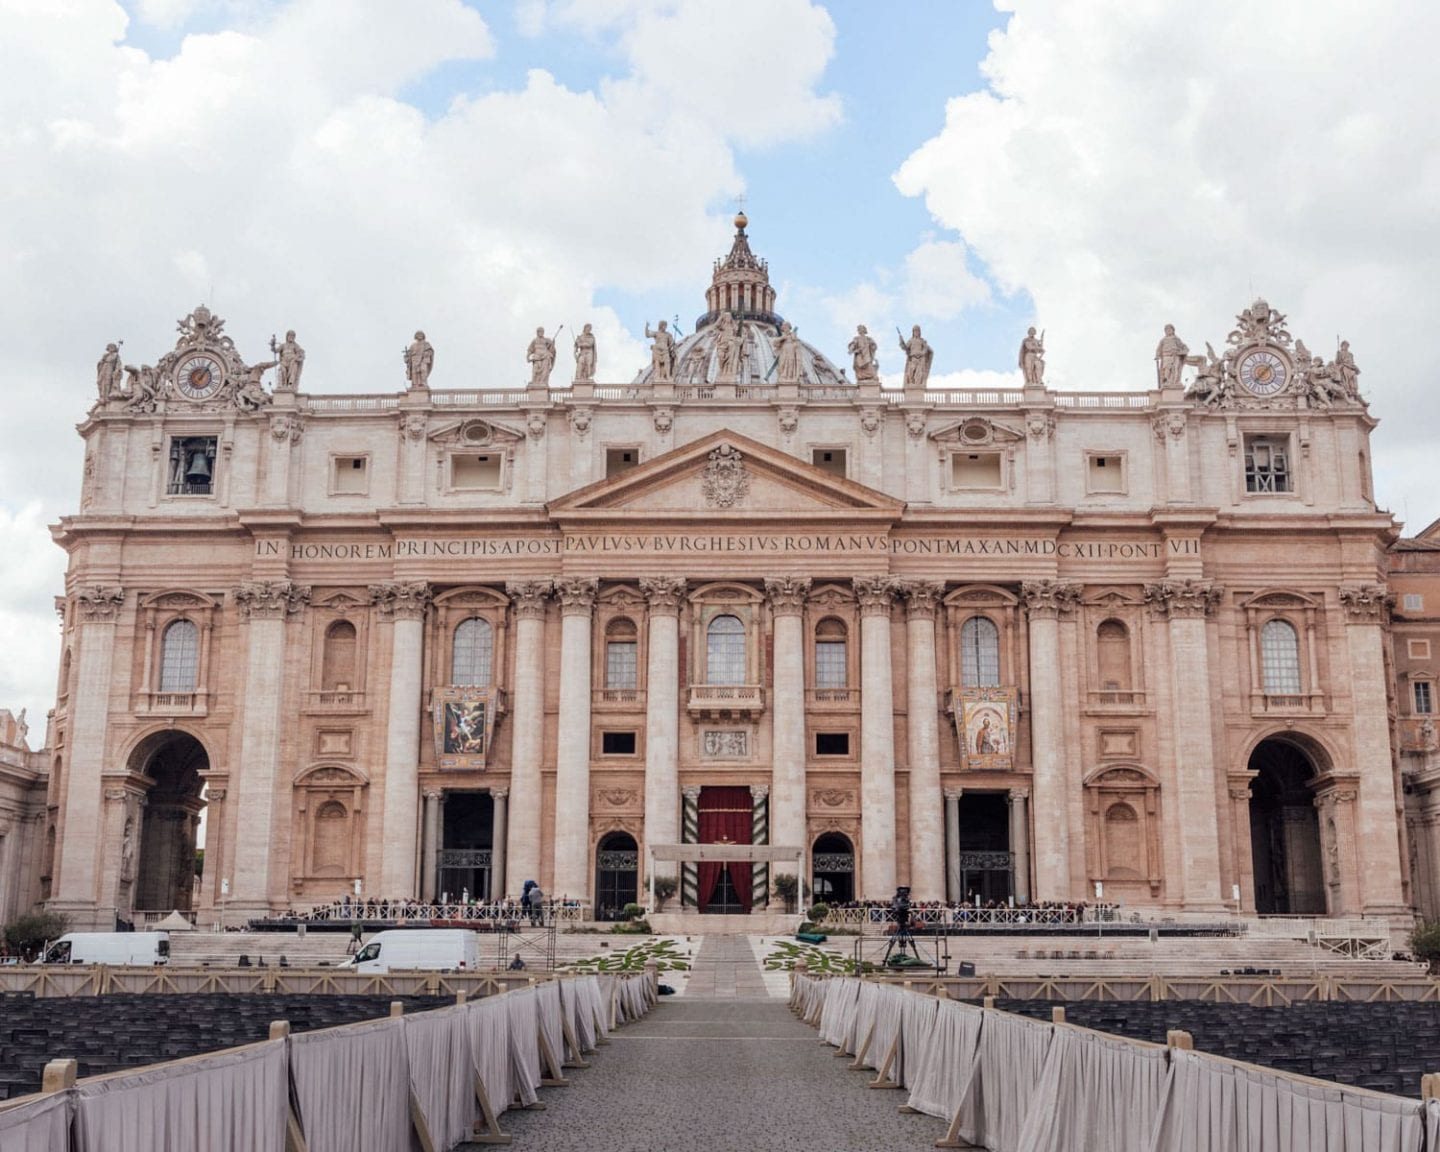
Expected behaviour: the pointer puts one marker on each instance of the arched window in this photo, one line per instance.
(725, 651)
(1280, 658)
(337, 673)
(472, 653)
(621, 654)
(332, 839)
(1112, 642)
(979, 653)
(830, 664)
(179, 657)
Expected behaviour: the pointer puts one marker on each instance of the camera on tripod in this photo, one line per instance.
(900, 908)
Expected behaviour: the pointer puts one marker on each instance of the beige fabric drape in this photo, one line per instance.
(488, 1022)
(41, 1124)
(437, 1044)
(1215, 1105)
(1432, 1125)
(550, 1008)
(886, 1024)
(865, 1005)
(838, 1018)
(524, 1043)
(574, 996)
(1096, 1094)
(1008, 1062)
(235, 1100)
(352, 1085)
(948, 1062)
(917, 1020)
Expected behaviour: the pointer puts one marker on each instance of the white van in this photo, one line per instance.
(440, 949)
(142, 948)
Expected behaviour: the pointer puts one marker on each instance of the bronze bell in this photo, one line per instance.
(198, 470)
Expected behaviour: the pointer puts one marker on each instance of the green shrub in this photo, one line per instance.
(27, 934)
(819, 911)
(665, 887)
(1425, 943)
(632, 911)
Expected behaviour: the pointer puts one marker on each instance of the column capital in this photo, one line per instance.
(1366, 603)
(663, 594)
(433, 794)
(214, 795)
(577, 594)
(528, 597)
(922, 597)
(787, 594)
(499, 793)
(99, 603)
(691, 792)
(1184, 599)
(759, 791)
(1240, 792)
(406, 600)
(875, 593)
(1018, 795)
(1049, 599)
(954, 793)
(270, 599)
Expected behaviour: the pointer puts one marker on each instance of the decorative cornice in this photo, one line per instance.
(1366, 603)
(663, 594)
(403, 601)
(1184, 599)
(1049, 599)
(922, 597)
(528, 597)
(787, 594)
(99, 604)
(875, 593)
(270, 599)
(577, 594)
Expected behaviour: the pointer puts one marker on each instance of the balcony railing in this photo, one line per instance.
(726, 699)
(832, 697)
(1112, 698)
(338, 700)
(619, 696)
(172, 703)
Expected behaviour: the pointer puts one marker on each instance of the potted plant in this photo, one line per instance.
(787, 887)
(664, 887)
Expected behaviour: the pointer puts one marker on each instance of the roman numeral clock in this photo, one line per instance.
(199, 376)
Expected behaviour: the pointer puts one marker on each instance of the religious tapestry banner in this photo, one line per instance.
(985, 724)
(464, 718)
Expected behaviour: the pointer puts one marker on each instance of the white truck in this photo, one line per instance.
(138, 948)
(437, 949)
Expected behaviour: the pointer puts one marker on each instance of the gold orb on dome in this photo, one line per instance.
(741, 220)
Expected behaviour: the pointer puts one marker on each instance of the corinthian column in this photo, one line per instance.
(264, 607)
(1045, 600)
(1187, 604)
(662, 715)
(787, 755)
(877, 739)
(1366, 607)
(927, 808)
(572, 760)
(527, 733)
(77, 864)
(404, 605)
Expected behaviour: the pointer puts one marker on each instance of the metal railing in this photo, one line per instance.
(412, 912)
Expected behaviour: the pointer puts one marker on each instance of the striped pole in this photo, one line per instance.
(760, 834)
(690, 834)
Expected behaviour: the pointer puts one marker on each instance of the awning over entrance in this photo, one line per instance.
(741, 853)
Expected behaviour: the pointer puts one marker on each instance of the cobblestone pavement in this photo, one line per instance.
(719, 1075)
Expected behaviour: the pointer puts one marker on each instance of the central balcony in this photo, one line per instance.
(726, 699)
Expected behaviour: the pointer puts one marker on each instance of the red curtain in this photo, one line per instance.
(725, 817)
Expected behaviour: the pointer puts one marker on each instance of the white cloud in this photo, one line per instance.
(1137, 164)
(279, 170)
(32, 574)
(939, 283)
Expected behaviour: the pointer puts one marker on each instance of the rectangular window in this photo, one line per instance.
(475, 473)
(1105, 475)
(1417, 649)
(975, 470)
(830, 460)
(621, 665)
(1424, 698)
(1267, 464)
(619, 460)
(192, 466)
(830, 669)
(1414, 602)
(832, 743)
(349, 476)
(617, 743)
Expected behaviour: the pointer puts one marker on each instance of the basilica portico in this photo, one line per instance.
(1005, 644)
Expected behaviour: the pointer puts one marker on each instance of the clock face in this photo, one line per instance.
(1263, 373)
(199, 377)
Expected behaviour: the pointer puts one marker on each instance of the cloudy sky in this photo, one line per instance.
(357, 168)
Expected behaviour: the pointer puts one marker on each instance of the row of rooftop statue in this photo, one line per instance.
(1215, 383)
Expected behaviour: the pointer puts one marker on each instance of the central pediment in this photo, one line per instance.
(726, 475)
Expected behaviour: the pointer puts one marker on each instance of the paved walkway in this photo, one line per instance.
(724, 1074)
(725, 968)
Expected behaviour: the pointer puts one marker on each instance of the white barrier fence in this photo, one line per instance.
(1009, 1083)
(441, 1077)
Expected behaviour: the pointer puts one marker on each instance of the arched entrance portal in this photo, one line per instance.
(617, 868)
(1285, 832)
(832, 869)
(164, 876)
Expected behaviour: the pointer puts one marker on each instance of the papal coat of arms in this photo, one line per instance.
(726, 481)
